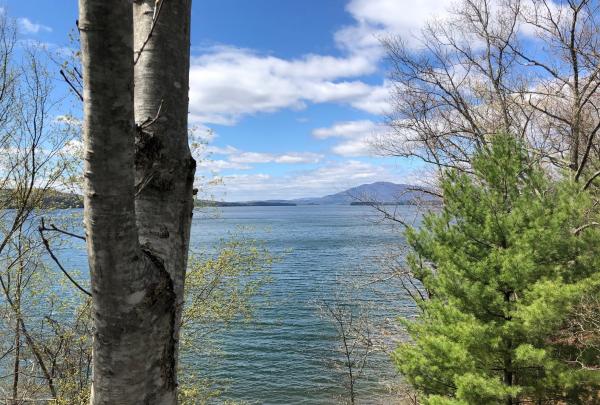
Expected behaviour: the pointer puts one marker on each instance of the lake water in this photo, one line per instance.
(282, 358)
(285, 355)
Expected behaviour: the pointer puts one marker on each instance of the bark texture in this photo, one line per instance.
(164, 165)
(137, 231)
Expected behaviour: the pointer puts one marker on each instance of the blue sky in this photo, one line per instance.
(291, 91)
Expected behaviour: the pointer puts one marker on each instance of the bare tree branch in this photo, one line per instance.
(60, 266)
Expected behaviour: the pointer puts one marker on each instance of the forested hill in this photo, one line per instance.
(382, 192)
(48, 199)
(379, 192)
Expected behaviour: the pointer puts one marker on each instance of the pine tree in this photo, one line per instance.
(500, 268)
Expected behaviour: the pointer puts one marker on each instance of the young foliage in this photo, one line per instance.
(222, 289)
(501, 267)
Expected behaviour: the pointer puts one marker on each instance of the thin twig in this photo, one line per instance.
(62, 73)
(155, 18)
(591, 180)
(586, 154)
(424, 190)
(53, 228)
(77, 71)
(150, 121)
(139, 187)
(60, 266)
(584, 227)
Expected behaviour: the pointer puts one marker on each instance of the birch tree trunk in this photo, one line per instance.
(138, 205)
(164, 166)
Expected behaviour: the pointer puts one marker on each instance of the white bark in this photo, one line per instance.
(164, 165)
(137, 249)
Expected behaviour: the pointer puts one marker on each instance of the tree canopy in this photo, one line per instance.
(502, 267)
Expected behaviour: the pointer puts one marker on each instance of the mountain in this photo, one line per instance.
(382, 192)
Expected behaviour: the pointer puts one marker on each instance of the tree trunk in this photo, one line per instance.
(164, 166)
(17, 300)
(134, 298)
(17, 361)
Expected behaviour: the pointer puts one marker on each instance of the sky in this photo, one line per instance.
(285, 94)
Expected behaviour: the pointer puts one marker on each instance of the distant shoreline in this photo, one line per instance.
(378, 193)
(209, 204)
(218, 204)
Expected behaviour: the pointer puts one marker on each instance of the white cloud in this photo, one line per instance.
(377, 101)
(349, 129)
(355, 147)
(68, 120)
(73, 148)
(29, 27)
(228, 83)
(399, 16)
(238, 156)
(296, 158)
(379, 19)
(331, 178)
(241, 160)
(356, 137)
(251, 157)
(218, 165)
(227, 150)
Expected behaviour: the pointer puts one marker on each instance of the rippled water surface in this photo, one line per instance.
(282, 357)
